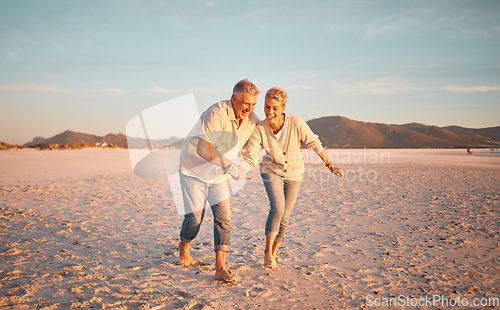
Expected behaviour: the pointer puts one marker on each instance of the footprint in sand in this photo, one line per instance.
(259, 292)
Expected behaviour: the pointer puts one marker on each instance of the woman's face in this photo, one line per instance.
(273, 109)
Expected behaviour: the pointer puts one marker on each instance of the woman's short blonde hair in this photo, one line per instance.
(278, 94)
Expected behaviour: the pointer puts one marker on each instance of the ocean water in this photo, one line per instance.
(495, 153)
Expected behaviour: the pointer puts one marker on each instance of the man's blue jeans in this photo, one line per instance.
(282, 195)
(196, 193)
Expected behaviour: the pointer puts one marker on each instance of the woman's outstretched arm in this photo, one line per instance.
(335, 170)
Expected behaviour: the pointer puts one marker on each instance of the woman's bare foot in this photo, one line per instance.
(274, 264)
(270, 261)
(224, 275)
(185, 258)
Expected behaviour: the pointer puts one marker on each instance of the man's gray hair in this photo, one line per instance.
(245, 87)
(278, 94)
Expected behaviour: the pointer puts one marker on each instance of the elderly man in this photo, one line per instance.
(206, 156)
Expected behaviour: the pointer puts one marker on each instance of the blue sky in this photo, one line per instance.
(91, 66)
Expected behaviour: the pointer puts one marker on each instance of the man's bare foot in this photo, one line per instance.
(185, 258)
(223, 275)
(268, 259)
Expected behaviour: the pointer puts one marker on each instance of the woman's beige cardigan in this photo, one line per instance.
(287, 162)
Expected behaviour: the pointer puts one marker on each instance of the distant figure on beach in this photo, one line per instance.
(282, 166)
(220, 133)
(469, 152)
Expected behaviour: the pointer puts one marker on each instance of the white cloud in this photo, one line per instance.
(298, 87)
(39, 88)
(382, 86)
(375, 18)
(461, 89)
(206, 90)
(59, 46)
(117, 91)
(158, 89)
(12, 54)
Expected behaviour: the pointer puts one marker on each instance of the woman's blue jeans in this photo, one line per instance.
(282, 195)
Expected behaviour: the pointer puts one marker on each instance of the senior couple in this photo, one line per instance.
(206, 164)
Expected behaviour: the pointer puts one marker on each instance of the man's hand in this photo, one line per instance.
(236, 172)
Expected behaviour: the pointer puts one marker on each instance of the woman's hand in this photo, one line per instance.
(336, 170)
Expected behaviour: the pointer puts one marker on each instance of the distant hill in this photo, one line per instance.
(120, 140)
(492, 133)
(35, 141)
(334, 131)
(338, 131)
(69, 136)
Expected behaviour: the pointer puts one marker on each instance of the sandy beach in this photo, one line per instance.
(79, 230)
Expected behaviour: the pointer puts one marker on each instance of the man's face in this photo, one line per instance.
(243, 105)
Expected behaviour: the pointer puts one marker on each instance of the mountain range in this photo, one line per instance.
(69, 136)
(334, 131)
(119, 140)
(338, 131)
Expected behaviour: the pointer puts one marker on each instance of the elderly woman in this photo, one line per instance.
(282, 166)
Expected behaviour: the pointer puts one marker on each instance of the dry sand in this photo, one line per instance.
(79, 230)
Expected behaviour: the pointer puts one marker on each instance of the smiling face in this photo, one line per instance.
(243, 105)
(274, 110)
